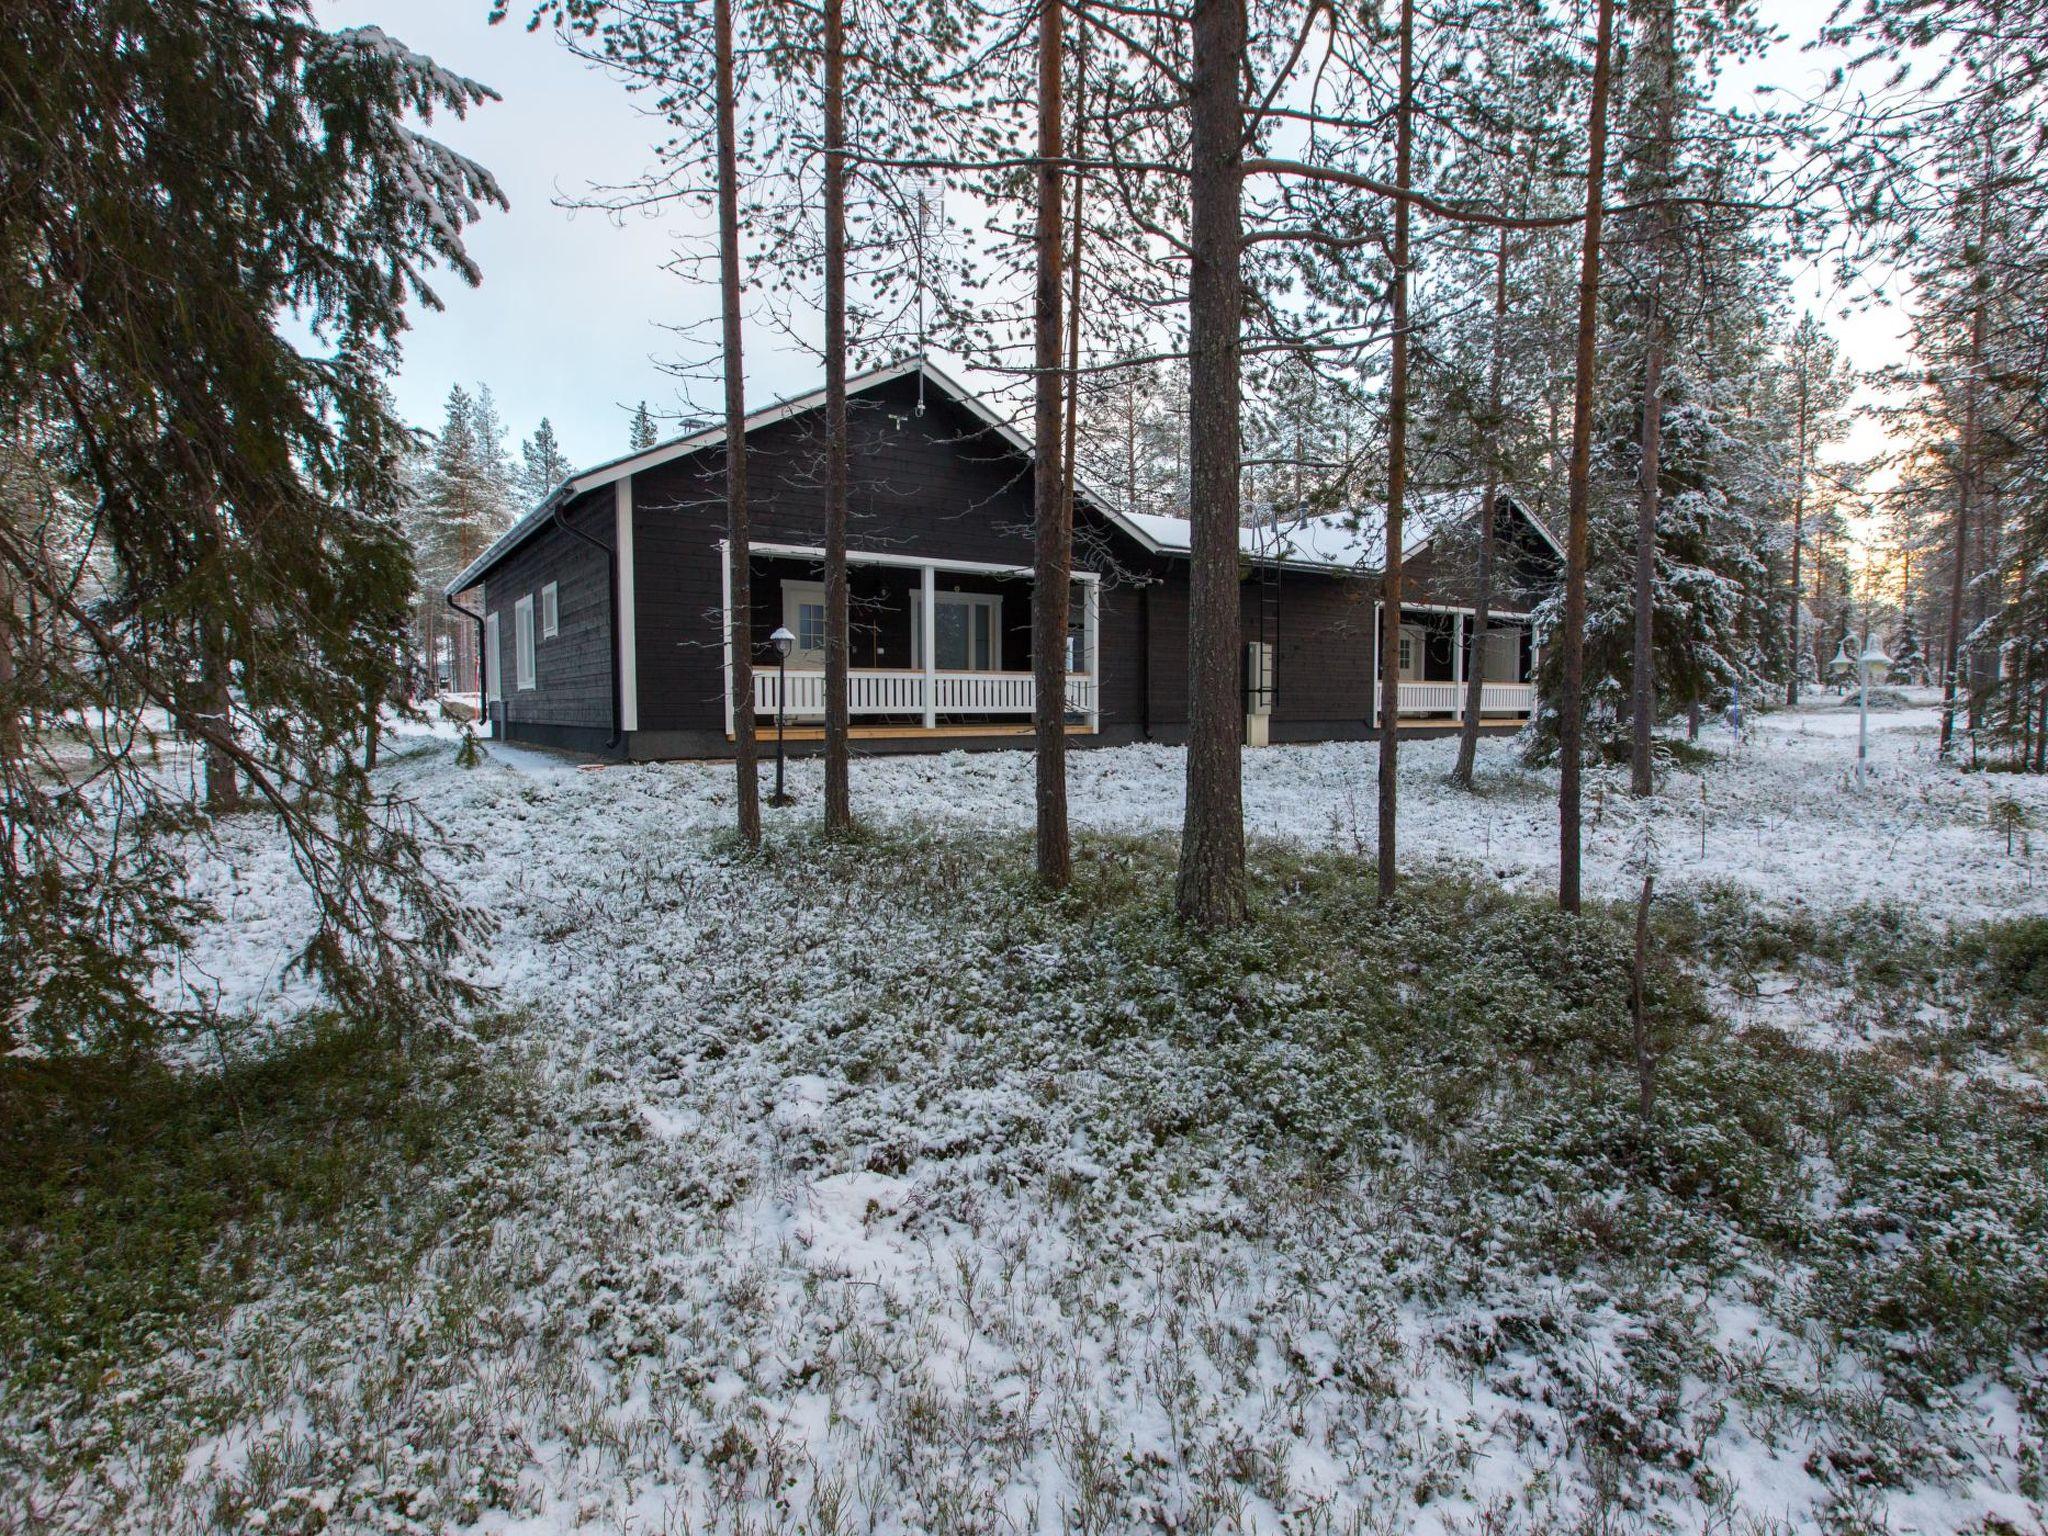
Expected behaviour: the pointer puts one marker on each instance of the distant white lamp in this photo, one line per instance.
(1844, 664)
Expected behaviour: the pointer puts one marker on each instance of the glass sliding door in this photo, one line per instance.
(967, 632)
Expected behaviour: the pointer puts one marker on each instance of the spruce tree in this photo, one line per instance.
(249, 575)
(641, 434)
(542, 465)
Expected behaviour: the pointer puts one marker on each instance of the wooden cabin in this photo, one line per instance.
(608, 626)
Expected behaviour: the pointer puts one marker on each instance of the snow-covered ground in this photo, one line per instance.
(851, 1197)
(1777, 813)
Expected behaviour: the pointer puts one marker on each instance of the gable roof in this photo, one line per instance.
(613, 470)
(1339, 541)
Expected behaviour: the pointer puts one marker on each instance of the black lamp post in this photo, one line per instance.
(784, 642)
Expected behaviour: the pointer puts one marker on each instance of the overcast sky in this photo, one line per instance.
(570, 321)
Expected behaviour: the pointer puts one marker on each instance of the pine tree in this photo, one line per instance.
(542, 465)
(1819, 387)
(642, 435)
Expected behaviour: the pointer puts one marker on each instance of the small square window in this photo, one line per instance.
(550, 612)
(810, 627)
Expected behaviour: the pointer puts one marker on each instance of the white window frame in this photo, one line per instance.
(494, 661)
(794, 595)
(550, 611)
(522, 643)
(969, 600)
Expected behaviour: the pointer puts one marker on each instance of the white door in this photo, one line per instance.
(1503, 656)
(1411, 653)
(803, 615)
(494, 680)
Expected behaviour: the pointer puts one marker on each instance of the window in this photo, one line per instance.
(810, 626)
(550, 612)
(494, 668)
(1407, 653)
(968, 630)
(522, 640)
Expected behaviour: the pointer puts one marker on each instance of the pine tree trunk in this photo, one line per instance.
(1966, 470)
(1643, 671)
(1798, 537)
(1397, 475)
(738, 534)
(223, 789)
(1649, 497)
(1489, 498)
(838, 758)
(1211, 885)
(1639, 1005)
(10, 711)
(1052, 551)
(1571, 691)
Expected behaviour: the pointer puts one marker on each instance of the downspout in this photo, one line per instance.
(611, 573)
(483, 683)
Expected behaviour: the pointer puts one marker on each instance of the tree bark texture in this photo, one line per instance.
(1489, 500)
(1649, 497)
(1052, 512)
(1571, 724)
(1211, 885)
(838, 755)
(1397, 475)
(738, 535)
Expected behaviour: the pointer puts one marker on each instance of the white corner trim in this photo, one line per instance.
(628, 637)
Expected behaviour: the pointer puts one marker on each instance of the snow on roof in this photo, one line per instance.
(1353, 540)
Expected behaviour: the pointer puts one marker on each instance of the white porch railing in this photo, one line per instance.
(1495, 699)
(890, 692)
(1507, 698)
(1431, 698)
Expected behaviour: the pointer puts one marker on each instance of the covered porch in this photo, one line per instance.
(938, 646)
(1437, 658)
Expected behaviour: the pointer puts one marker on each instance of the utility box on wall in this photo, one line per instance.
(1258, 693)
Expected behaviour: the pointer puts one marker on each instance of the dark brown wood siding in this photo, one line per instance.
(1322, 660)
(572, 692)
(936, 483)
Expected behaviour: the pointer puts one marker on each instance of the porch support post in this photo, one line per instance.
(1461, 639)
(1091, 629)
(1379, 630)
(725, 582)
(930, 620)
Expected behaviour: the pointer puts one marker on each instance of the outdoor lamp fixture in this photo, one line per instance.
(784, 642)
(1872, 663)
(1843, 664)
